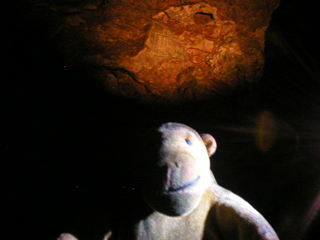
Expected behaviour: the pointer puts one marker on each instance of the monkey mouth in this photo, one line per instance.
(177, 189)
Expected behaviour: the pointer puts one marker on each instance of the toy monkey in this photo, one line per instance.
(182, 198)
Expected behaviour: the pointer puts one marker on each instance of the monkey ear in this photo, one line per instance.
(210, 143)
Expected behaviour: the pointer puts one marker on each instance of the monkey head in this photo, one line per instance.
(177, 171)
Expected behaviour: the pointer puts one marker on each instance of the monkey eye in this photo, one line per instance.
(188, 142)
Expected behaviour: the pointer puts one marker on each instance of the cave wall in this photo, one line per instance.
(163, 51)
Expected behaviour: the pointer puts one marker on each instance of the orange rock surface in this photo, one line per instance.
(164, 51)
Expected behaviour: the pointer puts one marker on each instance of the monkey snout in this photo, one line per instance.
(177, 174)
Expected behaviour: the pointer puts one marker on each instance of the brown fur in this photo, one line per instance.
(185, 201)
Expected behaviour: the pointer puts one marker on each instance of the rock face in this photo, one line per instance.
(164, 51)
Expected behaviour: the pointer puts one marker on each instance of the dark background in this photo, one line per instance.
(68, 145)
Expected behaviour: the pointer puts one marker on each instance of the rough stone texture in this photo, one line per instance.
(164, 51)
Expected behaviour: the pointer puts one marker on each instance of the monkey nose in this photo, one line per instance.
(176, 174)
(169, 164)
(177, 165)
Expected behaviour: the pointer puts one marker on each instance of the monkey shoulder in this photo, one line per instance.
(235, 218)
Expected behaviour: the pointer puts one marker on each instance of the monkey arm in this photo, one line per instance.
(237, 219)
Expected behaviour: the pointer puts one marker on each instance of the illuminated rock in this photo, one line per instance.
(164, 51)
